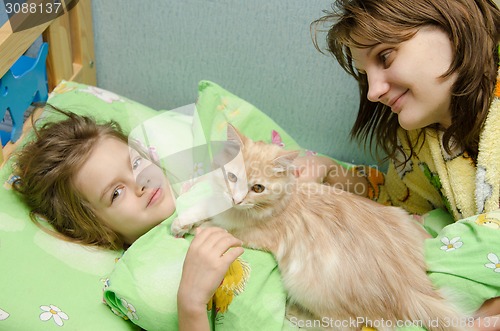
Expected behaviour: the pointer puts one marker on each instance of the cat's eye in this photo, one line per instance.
(257, 188)
(232, 177)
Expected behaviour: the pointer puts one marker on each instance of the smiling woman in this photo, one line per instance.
(431, 102)
(410, 77)
(361, 24)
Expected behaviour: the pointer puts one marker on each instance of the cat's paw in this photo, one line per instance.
(178, 230)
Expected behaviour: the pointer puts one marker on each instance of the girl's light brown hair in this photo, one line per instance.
(46, 168)
(473, 27)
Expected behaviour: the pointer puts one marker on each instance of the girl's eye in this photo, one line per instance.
(258, 188)
(116, 193)
(137, 162)
(232, 177)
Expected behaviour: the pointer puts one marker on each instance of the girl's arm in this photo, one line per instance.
(208, 258)
(489, 316)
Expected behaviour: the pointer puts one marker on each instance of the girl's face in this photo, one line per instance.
(407, 77)
(129, 193)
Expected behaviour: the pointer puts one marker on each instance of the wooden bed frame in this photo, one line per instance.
(71, 48)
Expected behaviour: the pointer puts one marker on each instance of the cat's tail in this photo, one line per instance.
(435, 313)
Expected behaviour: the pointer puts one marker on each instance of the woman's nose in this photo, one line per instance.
(377, 86)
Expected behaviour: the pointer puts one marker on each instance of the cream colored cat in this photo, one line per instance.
(342, 257)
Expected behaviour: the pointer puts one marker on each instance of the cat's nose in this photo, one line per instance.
(238, 199)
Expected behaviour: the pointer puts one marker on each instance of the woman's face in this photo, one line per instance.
(407, 77)
(129, 193)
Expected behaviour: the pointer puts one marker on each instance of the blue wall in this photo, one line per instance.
(156, 51)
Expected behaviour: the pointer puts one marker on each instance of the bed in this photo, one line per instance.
(47, 283)
(71, 55)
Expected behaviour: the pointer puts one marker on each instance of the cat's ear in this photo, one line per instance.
(285, 162)
(234, 135)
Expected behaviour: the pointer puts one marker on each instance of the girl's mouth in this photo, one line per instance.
(155, 196)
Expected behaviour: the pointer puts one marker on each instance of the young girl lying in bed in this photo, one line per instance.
(78, 175)
(92, 188)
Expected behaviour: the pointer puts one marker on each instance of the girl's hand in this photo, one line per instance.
(208, 258)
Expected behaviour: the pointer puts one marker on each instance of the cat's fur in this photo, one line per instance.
(341, 256)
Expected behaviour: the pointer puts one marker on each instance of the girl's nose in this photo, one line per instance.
(377, 86)
(142, 181)
(140, 188)
(149, 177)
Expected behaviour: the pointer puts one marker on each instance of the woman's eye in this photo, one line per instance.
(258, 188)
(384, 56)
(232, 177)
(116, 193)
